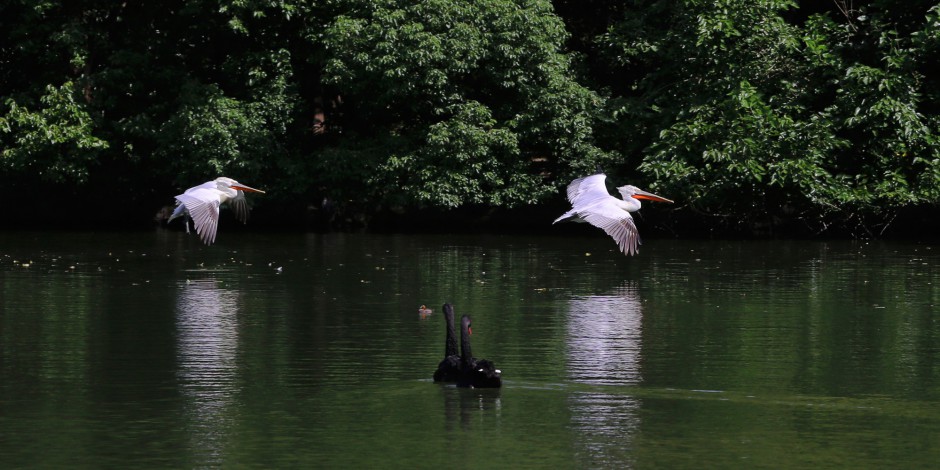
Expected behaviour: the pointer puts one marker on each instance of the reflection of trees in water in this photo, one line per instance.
(603, 347)
(467, 406)
(207, 342)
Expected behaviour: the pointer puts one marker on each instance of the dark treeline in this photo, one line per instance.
(757, 116)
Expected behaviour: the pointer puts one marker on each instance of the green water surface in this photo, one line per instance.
(151, 350)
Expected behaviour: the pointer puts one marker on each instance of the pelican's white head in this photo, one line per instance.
(226, 185)
(631, 193)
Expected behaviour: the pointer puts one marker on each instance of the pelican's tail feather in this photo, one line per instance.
(570, 215)
(179, 211)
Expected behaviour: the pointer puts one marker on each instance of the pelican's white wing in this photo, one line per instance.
(203, 206)
(607, 215)
(206, 185)
(588, 190)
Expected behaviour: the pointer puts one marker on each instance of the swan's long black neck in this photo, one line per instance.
(465, 355)
(450, 345)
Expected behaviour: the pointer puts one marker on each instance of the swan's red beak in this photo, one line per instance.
(241, 187)
(469, 330)
(640, 194)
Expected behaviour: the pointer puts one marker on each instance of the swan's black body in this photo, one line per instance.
(449, 368)
(476, 373)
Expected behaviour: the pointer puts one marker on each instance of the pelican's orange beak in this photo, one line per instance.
(640, 194)
(241, 187)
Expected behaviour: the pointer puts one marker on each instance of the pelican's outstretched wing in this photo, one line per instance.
(606, 215)
(203, 206)
(584, 192)
(588, 190)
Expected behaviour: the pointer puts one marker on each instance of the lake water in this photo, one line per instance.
(144, 350)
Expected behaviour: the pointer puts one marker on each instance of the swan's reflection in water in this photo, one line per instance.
(603, 347)
(467, 406)
(207, 345)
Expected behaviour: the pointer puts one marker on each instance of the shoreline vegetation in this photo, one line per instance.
(769, 119)
(905, 224)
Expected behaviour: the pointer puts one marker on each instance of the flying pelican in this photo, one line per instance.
(201, 203)
(592, 203)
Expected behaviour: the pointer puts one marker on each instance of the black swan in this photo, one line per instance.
(449, 368)
(475, 373)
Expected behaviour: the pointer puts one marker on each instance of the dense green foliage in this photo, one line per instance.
(768, 110)
(836, 113)
(471, 97)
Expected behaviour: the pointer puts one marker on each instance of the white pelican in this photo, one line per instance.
(201, 203)
(592, 203)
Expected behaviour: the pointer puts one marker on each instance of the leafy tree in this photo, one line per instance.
(747, 112)
(180, 91)
(54, 140)
(761, 111)
(468, 102)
